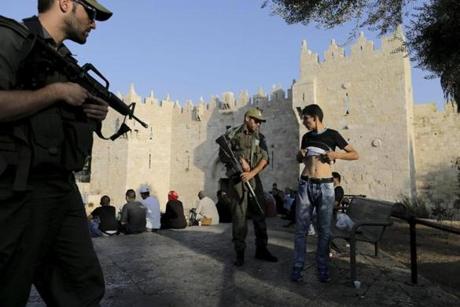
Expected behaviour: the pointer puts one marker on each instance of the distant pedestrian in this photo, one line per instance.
(153, 222)
(224, 207)
(206, 208)
(338, 191)
(133, 215)
(106, 214)
(278, 195)
(174, 215)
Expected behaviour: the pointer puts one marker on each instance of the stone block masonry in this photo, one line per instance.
(405, 149)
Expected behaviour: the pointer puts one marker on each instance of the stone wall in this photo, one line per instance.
(178, 151)
(437, 153)
(366, 95)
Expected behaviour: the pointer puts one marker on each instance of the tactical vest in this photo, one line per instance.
(55, 139)
(239, 145)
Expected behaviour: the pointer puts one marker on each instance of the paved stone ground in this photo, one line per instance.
(194, 267)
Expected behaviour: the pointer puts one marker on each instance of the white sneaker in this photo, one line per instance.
(311, 231)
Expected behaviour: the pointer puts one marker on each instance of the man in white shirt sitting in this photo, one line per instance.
(153, 210)
(206, 208)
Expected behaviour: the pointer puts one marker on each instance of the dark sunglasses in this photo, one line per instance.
(91, 11)
(256, 120)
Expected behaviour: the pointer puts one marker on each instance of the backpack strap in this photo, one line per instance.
(22, 31)
(15, 26)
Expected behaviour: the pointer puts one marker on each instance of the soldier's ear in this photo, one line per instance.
(64, 5)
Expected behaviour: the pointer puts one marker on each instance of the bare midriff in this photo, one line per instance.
(314, 168)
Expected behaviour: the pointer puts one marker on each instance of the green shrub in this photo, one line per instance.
(441, 212)
(415, 206)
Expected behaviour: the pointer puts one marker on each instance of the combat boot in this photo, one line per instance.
(262, 253)
(239, 261)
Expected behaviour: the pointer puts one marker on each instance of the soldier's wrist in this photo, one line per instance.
(53, 92)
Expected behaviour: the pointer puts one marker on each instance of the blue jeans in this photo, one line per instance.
(309, 196)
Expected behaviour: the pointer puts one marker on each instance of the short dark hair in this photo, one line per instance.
(313, 110)
(44, 5)
(336, 175)
(131, 193)
(105, 200)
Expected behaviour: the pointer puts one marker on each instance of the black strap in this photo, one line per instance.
(15, 26)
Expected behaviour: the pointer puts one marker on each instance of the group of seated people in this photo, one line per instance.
(145, 215)
(136, 216)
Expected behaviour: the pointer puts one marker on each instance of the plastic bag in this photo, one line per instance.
(344, 222)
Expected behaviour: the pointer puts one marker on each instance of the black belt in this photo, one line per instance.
(317, 180)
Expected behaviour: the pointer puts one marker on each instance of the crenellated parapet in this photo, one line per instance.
(308, 60)
(334, 52)
(394, 43)
(431, 110)
(362, 46)
(132, 96)
(226, 102)
(362, 51)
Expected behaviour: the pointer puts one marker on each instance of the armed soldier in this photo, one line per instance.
(46, 130)
(248, 151)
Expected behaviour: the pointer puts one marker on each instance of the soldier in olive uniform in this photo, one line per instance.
(46, 130)
(249, 147)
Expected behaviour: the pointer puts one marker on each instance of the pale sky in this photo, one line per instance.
(201, 48)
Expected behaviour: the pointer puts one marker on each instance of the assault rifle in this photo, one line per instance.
(68, 66)
(235, 165)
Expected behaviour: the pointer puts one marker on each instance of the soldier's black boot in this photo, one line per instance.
(239, 261)
(262, 253)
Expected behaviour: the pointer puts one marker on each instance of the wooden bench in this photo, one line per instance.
(370, 217)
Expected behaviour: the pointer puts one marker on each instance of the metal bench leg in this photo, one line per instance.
(413, 250)
(353, 259)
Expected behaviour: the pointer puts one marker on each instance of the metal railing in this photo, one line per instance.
(413, 221)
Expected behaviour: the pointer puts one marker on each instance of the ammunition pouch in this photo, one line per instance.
(47, 136)
(15, 155)
(78, 144)
(59, 140)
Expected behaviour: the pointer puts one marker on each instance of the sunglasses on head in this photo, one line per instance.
(91, 11)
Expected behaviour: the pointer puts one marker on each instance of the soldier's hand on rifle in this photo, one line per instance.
(246, 176)
(245, 165)
(71, 93)
(95, 108)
